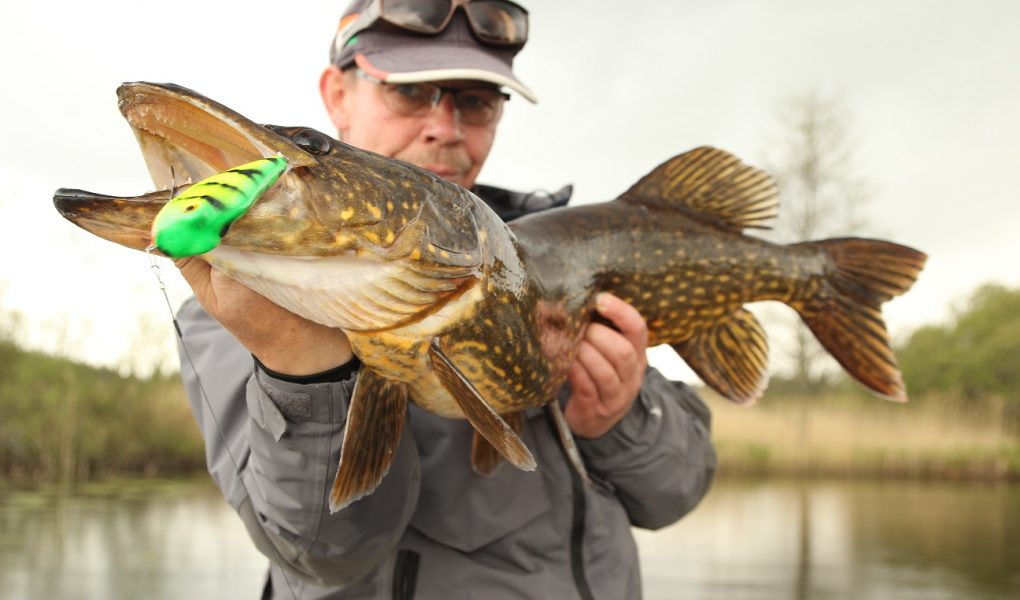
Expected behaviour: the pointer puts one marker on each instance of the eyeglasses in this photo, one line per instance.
(476, 105)
(498, 22)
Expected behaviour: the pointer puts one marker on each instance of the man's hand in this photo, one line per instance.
(608, 371)
(282, 341)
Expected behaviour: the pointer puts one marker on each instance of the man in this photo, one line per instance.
(421, 80)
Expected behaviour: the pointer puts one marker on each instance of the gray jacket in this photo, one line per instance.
(433, 529)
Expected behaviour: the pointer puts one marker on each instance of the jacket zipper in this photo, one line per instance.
(405, 575)
(578, 493)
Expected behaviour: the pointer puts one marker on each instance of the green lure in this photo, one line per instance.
(195, 221)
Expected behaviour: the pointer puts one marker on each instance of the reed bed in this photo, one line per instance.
(837, 434)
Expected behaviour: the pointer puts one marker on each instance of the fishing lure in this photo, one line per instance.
(195, 221)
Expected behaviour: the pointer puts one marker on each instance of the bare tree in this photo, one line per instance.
(152, 351)
(821, 195)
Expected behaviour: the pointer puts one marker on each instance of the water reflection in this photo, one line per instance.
(828, 540)
(166, 540)
(749, 540)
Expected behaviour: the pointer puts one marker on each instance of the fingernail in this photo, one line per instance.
(601, 302)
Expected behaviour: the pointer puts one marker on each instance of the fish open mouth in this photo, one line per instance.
(187, 137)
(184, 137)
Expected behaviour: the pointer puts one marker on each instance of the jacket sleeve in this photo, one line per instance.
(273, 448)
(659, 459)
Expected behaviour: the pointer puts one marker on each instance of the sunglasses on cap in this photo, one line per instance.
(498, 22)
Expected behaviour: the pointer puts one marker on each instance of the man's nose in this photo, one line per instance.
(443, 121)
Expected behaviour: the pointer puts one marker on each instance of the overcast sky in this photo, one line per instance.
(931, 90)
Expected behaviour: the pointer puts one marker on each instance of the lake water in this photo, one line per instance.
(768, 540)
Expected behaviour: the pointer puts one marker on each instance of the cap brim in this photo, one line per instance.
(413, 64)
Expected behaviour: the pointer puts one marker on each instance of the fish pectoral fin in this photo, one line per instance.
(731, 357)
(711, 183)
(375, 421)
(486, 421)
(484, 458)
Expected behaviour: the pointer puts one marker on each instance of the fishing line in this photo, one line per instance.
(180, 336)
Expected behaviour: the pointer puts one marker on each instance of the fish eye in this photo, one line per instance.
(190, 207)
(312, 141)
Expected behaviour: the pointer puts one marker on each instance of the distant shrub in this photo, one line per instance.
(976, 356)
(67, 422)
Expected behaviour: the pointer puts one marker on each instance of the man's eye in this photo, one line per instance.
(413, 91)
(475, 100)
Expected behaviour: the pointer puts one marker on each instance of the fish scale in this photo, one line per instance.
(450, 308)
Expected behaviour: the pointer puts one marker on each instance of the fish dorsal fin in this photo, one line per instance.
(731, 357)
(375, 421)
(711, 183)
(486, 421)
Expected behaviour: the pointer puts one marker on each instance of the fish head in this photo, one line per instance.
(344, 237)
(333, 199)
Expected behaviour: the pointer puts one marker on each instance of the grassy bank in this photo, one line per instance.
(847, 433)
(67, 423)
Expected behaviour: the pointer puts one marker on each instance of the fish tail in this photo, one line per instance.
(846, 318)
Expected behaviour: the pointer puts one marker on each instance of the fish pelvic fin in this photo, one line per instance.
(712, 185)
(731, 357)
(485, 459)
(482, 417)
(848, 321)
(375, 422)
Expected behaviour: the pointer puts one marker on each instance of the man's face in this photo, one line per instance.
(437, 140)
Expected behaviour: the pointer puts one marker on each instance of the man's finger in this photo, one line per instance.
(198, 274)
(625, 317)
(614, 346)
(581, 384)
(601, 371)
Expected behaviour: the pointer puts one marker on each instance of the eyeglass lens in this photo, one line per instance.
(476, 106)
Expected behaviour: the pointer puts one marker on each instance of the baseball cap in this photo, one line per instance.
(396, 55)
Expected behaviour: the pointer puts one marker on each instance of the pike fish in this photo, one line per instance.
(468, 317)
